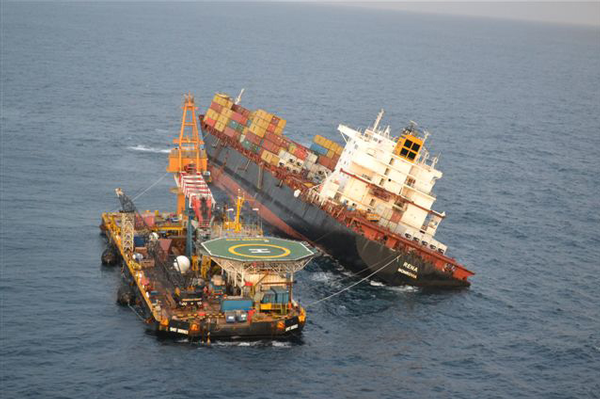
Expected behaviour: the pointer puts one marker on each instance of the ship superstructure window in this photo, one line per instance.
(408, 147)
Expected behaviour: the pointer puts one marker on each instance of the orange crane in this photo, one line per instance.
(189, 158)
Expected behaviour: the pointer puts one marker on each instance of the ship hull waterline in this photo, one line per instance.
(233, 172)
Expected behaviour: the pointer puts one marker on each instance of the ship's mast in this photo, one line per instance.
(378, 120)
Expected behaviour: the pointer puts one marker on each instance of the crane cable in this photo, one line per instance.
(352, 285)
(152, 185)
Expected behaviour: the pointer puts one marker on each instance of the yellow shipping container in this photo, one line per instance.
(257, 130)
(227, 112)
(269, 157)
(266, 156)
(282, 123)
(220, 126)
(330, 154)
(339, 150)
(263, 123)
(261, 113)
(221, 99)
(320, 140)
(279, 130)
(223, 119)
(292, 147)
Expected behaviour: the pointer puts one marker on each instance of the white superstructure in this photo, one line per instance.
(390, 177)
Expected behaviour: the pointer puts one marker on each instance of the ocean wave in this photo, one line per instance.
(143, 148)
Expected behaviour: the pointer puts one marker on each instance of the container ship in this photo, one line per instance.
(203, 272)
(368, 203)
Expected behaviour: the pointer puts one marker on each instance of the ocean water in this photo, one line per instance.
(91, 96)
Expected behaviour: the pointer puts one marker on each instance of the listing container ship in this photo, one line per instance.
(367, 203)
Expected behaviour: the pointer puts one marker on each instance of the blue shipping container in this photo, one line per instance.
(138, 241)
(228, 305)
(268, 297)
(281, 295)
(314, 147)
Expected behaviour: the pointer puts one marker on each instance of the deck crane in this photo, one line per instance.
(129, 213)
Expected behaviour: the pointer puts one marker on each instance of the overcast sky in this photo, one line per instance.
(570, 12)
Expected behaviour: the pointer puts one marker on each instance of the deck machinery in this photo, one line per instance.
(203, 272)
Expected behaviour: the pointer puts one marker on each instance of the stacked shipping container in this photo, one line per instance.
(328, 151)
(262, 133)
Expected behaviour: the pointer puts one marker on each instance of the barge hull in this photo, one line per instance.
(286, 212)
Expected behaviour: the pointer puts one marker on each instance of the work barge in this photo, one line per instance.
(205, 272)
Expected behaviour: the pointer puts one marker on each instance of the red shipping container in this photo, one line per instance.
(327, 162)
(300, 153)
(270, 146)
(229, 132)
(253, 138)
(216, 107)
(210, 122)
(271, 128)
(272, 137)
(239, 118)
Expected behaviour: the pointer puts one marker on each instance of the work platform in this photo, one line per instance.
(258, 249)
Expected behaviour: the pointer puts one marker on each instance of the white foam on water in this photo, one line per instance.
(402, 288)
(143, 148)
(236, 343)
(321, 277)
(376, 284)
(278, 344)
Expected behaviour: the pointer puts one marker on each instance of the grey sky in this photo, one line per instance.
(569, 12)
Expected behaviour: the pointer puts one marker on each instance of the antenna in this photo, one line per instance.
(379, 116)
(412, 126)
(426, 134)
(239, 97)
(435, 160)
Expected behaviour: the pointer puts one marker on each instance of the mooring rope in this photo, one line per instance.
(352, 285)
(136, 312)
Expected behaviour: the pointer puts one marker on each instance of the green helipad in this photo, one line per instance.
(254, 249)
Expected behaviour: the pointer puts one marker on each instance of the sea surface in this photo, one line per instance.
(91, 96)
